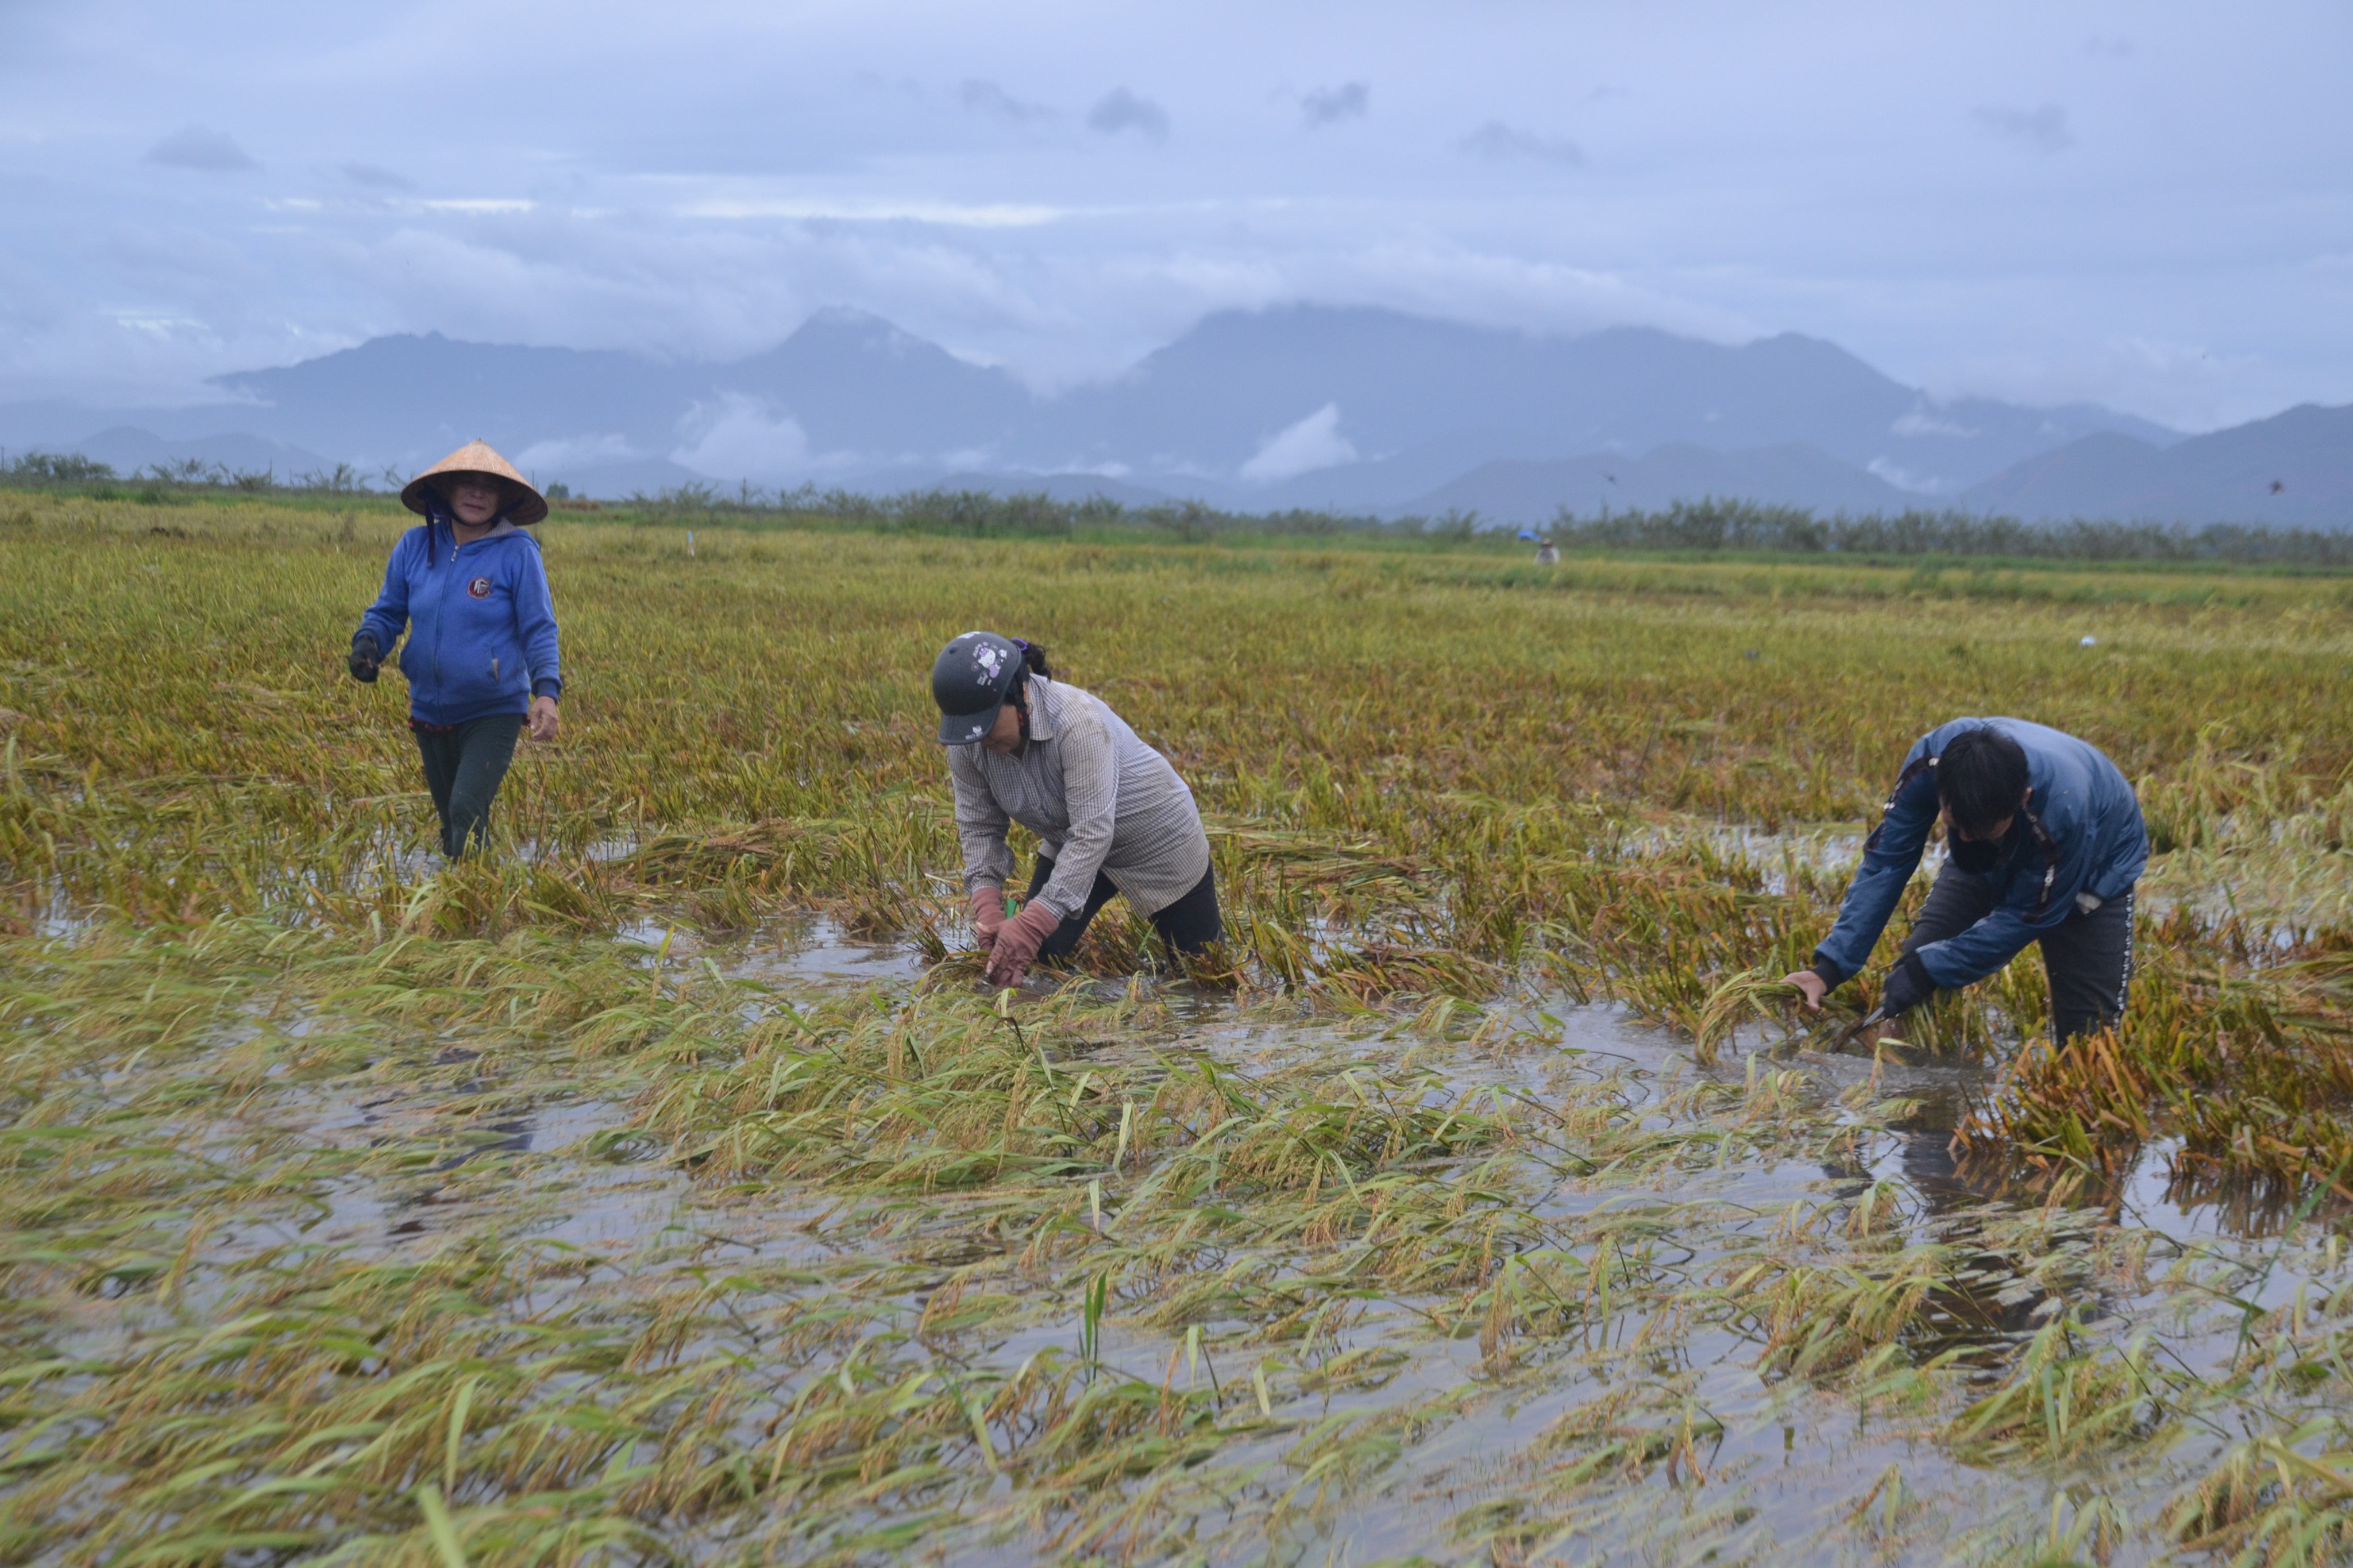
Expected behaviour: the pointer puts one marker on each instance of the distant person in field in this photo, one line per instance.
(2044, 844)
(1111, 815)
(1547, 552)
(468, 586)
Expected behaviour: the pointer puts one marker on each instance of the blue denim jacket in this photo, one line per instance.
(481, 624)
(2081, 833)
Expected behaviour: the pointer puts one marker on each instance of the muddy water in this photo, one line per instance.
(1707, 1452)
(1766, 1470)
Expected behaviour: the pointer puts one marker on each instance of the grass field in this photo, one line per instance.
(666, 1188)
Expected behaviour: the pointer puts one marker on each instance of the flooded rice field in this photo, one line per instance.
(842, 1259)
(580, 1205)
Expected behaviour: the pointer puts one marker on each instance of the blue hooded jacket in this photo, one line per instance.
(2083, 833)
(481, 624)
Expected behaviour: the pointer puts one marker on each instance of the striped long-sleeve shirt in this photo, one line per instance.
(1098, 798)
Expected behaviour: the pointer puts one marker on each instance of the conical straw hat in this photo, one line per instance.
(524, 505)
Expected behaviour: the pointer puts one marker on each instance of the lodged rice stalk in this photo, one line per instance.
(1740, 997)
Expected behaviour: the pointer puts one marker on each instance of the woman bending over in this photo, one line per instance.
(1111, 815)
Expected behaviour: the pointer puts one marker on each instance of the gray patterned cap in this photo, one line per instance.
(970, 681)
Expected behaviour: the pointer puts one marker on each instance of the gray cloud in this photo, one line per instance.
(375, 176)
(1120, 110)
(2044, 129)
(991, 101)
(1501, 144)
(1330, 105)
(755, 175)
(197, 147)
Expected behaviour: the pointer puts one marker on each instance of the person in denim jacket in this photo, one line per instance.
(2043, 845)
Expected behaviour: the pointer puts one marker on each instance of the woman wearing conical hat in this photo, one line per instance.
(468, 586)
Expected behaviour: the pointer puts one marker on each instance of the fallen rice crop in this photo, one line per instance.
(666, 1189)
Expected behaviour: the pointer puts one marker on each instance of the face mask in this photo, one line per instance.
(1973, 855)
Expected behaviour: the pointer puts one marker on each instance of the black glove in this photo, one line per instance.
(365, 656)
(1907, 986)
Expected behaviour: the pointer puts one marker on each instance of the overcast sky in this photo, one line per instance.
(2145, 205)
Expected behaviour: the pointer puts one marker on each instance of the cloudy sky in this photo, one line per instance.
(2149, 204)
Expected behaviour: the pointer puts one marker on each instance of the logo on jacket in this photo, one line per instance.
(479, 587)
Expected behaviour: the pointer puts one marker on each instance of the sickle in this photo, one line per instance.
(1876, 1015)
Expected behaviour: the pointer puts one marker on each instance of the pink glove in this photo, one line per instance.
(1018, 940)
(987, 915)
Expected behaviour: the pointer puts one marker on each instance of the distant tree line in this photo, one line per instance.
(48, 470)
(1705, 527)
(1714, 526)
(982, 514)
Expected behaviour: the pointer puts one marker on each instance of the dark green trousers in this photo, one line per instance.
(464, 767)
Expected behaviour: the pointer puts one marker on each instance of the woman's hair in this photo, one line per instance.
(1033, 662)
(1981, 775)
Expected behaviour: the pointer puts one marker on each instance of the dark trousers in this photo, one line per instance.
(1189, 926)
(464, 767)
(2086, 958)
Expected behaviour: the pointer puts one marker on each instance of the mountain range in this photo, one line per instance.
(1352, 409)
